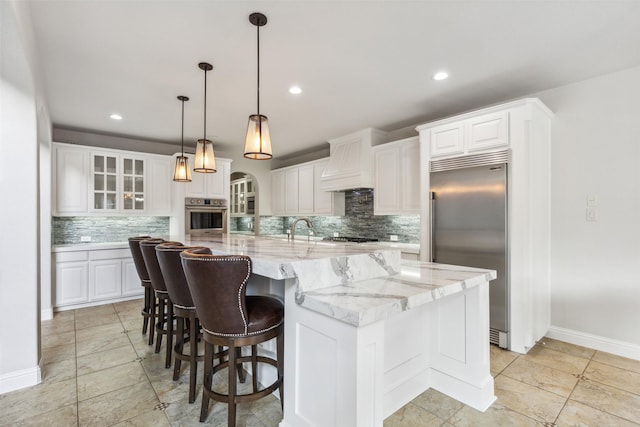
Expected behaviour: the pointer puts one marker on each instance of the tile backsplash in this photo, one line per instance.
(103, 229)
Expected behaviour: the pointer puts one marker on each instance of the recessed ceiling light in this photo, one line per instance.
(295, 90)
(116, 116)
(440, 76)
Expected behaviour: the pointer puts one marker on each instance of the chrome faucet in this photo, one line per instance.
(294, 223)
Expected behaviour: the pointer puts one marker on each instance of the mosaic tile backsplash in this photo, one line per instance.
(68, 230)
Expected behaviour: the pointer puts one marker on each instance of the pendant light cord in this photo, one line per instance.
(258, 71)
(182, 144)
(204, 137)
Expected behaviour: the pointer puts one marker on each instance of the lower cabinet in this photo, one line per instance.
(91, 277)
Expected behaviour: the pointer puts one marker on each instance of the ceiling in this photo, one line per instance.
(359, 63)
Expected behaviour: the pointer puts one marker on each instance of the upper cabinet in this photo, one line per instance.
(470, 135)
(241, 190)
(397, 177)
(208, 185)
(109, 182)
(295, 190)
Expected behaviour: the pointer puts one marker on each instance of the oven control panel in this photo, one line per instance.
(200, 202)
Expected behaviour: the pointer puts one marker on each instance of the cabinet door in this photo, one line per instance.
(291, 191)
(71, 172)
(105, 279)
(488, 131)
(104, 173)
(410, 178)
(322, 200)
(305, 189)
(447, 139)
(71, 283)
(277, 192)
(130, 280)
(133, 184)
(386, 180)
(160, 175)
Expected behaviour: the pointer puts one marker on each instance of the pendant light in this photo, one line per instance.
(182, 173)
(205, 160)
(257, 144)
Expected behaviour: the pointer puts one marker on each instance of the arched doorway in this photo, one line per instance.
(243, 204)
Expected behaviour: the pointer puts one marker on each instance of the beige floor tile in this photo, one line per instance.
(500, 359)
(96, 320)
(617, 361)
(565, 347)
(61, 316)
(36, 400)
(101, 343)
(608, 399)
(412, 416)
(152, 418)
(61, 352)
(539, 404)
(61, 417)
(101, 330)
(267, 410)
(106, 359)
(59, 371)
(541, 376)
(577, 414)
(49, 327)
(437, 403)
(56, 340)
(107, 380)
(118, 405)
(95, 310)
(615, 377)
(496, 415)
(557, 360)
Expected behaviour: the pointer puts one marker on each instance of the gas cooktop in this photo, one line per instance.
(351, 239)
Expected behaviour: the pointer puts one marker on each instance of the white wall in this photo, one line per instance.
(595, 286)
(20, 106)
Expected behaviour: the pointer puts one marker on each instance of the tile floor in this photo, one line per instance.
(99, 371)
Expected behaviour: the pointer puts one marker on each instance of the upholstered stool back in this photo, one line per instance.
(138, 261)
(168, 255)
(148, 249)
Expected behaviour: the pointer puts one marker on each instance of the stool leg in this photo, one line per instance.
(280, 357)
(231, 402)
(146, 310)
(179, 348)
(160, 324)
(206, 386)
(193, 359)
(167, 361)
(241, 374)
(254, 366)
(152, 316)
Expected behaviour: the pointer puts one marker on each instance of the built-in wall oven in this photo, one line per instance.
(205, 216)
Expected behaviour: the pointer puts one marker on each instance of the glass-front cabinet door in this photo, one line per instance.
(105, 178)
(132, 184)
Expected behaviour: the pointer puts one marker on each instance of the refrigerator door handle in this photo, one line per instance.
(432, 200)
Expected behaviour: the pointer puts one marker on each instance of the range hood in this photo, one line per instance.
(350, 164)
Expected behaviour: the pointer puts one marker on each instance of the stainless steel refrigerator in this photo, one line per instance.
(469, 224)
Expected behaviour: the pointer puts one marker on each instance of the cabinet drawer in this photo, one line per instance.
(72, 256)
(110, 254)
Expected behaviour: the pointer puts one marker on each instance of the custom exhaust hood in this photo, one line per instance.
(350, 164)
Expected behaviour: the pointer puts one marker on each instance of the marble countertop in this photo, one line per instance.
(89, 246)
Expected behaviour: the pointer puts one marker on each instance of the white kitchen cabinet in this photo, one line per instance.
(473, 134)
(210, 185)
(89, 277)
(133, 184)
(306, 189)
(160, 178)
(104, 182)
(241, 189)
(295, 190)
(71, 275)
(397, 178)
(524, 127)
(71, 180)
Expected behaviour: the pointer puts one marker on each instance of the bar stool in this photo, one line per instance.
(187, 322)
(232, 319)
(164, 307)
(147, 309)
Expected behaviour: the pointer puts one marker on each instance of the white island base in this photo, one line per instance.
(337, 374)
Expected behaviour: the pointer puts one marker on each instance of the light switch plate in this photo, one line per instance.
(592, 214)
(393, 237)
(85, 238)
(336, 234)
(592, 200)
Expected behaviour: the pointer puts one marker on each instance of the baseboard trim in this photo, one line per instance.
(619, 348)
(20, 379)
(46, 314)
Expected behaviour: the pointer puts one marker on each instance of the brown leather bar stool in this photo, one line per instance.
(232, 319)
(187, 323)
(147, 309)
(164, 307)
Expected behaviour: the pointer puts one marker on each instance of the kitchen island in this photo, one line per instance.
(365, 332)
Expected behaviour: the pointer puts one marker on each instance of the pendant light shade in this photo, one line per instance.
(205, 160)
(182, 173)
(257, 144)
